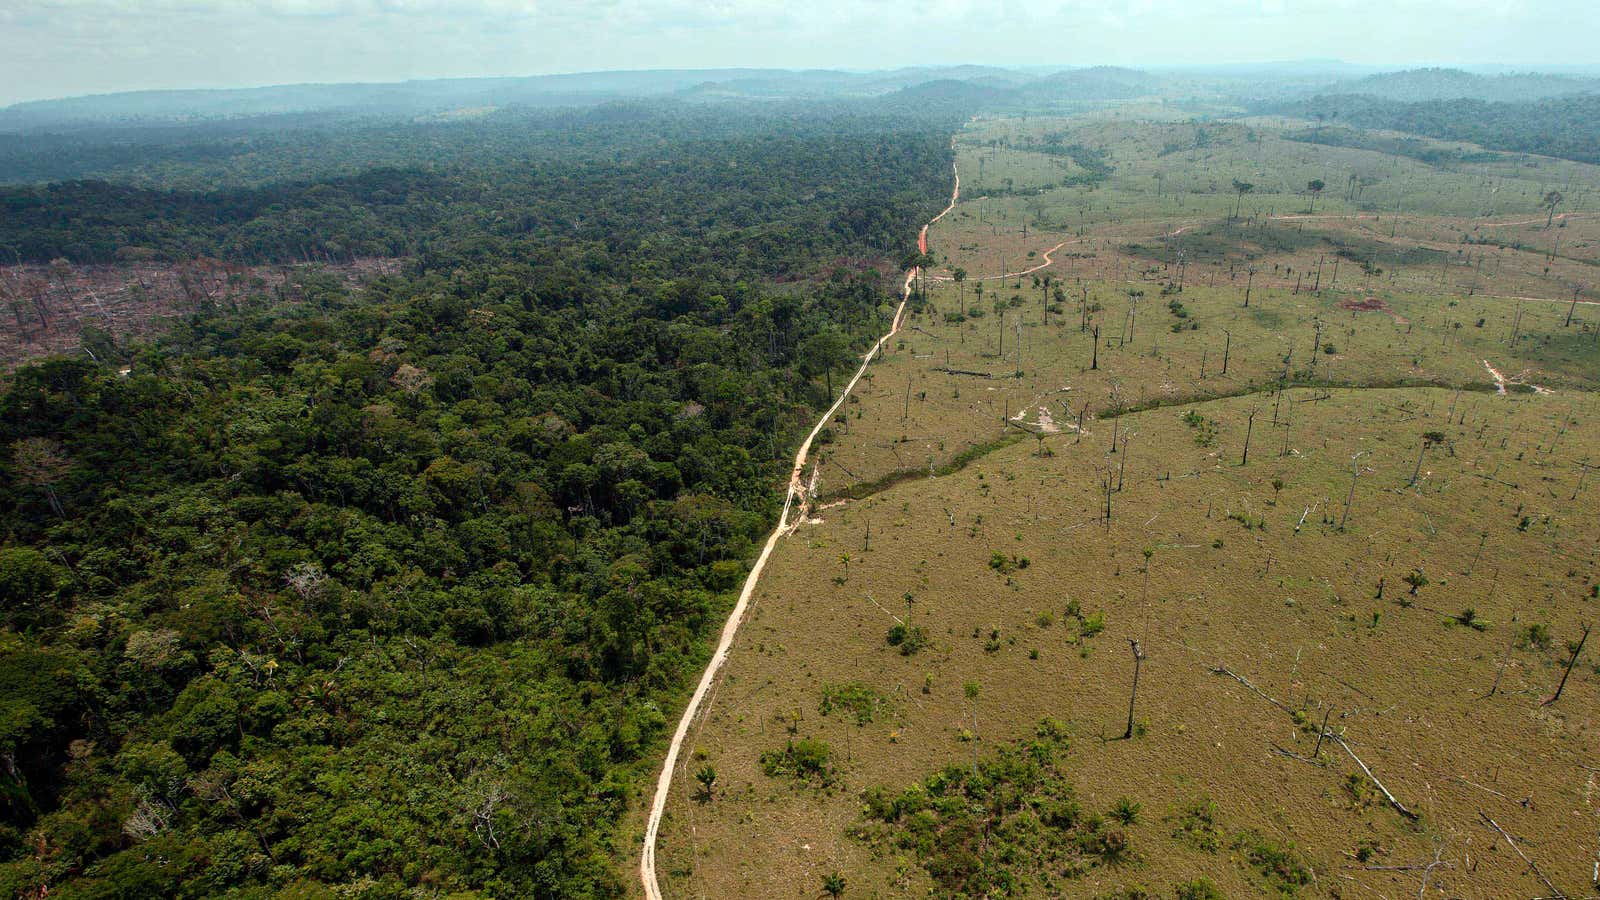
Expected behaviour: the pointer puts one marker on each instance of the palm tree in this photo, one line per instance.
(845, 558)
(833, 884)
(1241, 188)
(1550, 202)
(707, 776)
(1428, 439)
(1314, 187)
(1417, 580)
(960, 277)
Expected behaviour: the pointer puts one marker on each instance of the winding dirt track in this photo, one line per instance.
(944, 279)
(796, 496)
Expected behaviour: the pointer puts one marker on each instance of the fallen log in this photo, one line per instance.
(1532, 866)
(1399, 807)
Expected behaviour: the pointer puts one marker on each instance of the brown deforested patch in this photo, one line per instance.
(46, 308)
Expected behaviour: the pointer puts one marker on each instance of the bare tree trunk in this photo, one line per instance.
(1133, 695)
(1573, 660)
(1355, 472)
(1417, 472)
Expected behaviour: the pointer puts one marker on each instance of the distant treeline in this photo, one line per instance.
(259, 150)
(1567, 127)
(1421, 149)
(769, 195)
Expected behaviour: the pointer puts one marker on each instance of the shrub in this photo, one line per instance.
(1092, 624)
(1535, 635)
(1010, 825)
(806, 760)
(1284, 868)
(1198, 889)
(909, 638)
(853, 698)
(1125, 810)
(1196, 825)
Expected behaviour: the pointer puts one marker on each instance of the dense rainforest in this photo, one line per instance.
(392, 591)
(510, 179)
(1567, 127)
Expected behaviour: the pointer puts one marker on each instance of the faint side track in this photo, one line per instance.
(796, 496)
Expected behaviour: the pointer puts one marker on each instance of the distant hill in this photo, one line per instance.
(947, 95)
(1417, 85)
(418, 98)
(402, 98)
(1017, 89)
(829, 83)
(809, 83)
(1094, 83)
(911, 77)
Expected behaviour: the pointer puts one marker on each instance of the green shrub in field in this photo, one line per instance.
(909, 638)
(854, 699)
(1195, 824)
(1535, 635)
(1125, 810)
(1205, 430)
(1284, 868)
(1004, 825)
(807, 760)
(1089, 624)
(1198, 889)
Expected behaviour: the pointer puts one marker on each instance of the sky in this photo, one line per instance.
(57, 48)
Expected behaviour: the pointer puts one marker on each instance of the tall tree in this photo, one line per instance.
(1240, 188)
(1551, 200)
(1314, 188)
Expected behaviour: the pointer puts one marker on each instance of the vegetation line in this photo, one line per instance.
(864, 489)
(1246, 390)
(796, 491)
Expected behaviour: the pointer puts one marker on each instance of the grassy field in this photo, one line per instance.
(1380, 517)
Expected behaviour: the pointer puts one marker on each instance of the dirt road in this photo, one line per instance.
(796, 497)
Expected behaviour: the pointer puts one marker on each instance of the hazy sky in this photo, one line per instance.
(53, 48)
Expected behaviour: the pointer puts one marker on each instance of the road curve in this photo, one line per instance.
(796, 495)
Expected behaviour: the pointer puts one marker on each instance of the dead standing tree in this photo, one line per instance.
(1355, 473)
(1577, 649)
(1428, 439)
(1105, 486)
(1250, 426)
(1133, 695)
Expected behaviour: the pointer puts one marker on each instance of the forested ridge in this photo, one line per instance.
(1567, 127)
(395, 589)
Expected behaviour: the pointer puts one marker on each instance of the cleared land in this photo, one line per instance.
(961, 582)
(63, 308)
